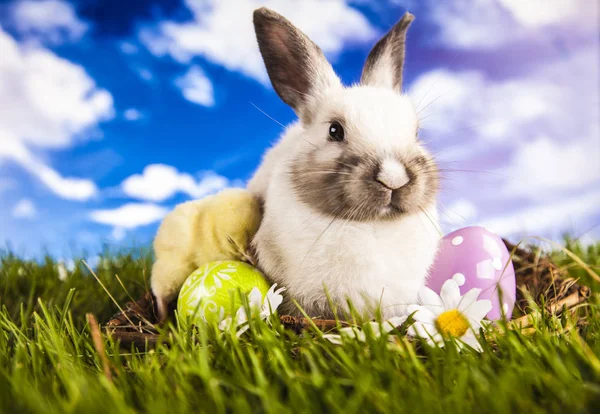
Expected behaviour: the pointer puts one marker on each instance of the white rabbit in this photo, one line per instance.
(349, 192)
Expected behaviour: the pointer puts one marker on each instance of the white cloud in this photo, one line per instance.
(51, 21)
(129, 216)
(24, 209)
(93, 261)
(459, 213)
(76, 189)
(159, 182)
(128, 48)
(558, 100)
(118, 234)
(69, 264)
(484, 23)
(453, 101)
(132, 114)
(571, 213)
(221, 31)
(145, 74)
(545, 167)
(541, 13)
(196, 87)
(536, 134)
(46, 102)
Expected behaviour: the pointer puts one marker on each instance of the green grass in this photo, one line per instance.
(48, 362)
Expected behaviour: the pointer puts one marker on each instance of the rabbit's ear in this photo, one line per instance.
(297, 67)
(384, 64)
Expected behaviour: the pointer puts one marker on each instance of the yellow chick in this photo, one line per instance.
(218, 227)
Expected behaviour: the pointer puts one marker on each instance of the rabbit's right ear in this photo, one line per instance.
(296, 66)
(386, 61)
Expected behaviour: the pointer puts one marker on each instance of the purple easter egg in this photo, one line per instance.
(477, 258)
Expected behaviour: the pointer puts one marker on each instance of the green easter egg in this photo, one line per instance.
(205, 293)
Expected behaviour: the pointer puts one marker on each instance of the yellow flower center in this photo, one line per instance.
(452, 323)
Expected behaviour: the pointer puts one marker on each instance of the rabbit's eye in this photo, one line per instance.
(336, 132)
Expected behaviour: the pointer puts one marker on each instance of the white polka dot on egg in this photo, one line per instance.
(497, 263)
(485, 270)
(459, 278)
(457, 240)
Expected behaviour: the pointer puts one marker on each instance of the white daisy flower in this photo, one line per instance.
(359, 334)
(449, 315)
(264, 307)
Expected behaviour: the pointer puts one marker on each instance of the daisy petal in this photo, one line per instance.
(273, 292)
(478, 310)
(429, 298)
(471, 340)
(333, 338)
(413, 308)
(348, 331)
(255, 298)
(450, 294)
(439, 340)
(424, 315)
(272, 289)
(375, 328)
(417, 331)
(242, 330)
(474, 325)
(459, 343)
(240, 316)
(436, 341)
(393, 323)
(272, 302)
(422, 330)
(353, 333)
(225, 324)
(468, 299)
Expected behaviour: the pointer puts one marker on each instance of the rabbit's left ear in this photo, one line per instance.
(385, 62)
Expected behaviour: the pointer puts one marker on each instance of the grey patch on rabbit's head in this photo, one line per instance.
(385, 63)
(298, 70)
(346, 188)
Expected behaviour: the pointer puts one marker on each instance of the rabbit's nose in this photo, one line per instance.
(392, 174)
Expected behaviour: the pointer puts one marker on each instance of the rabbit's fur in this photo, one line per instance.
(354, 218)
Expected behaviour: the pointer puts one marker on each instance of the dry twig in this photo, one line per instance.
(99, 345)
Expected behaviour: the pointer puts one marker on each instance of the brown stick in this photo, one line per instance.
(139, 339)
(99, 345)
(300, 324)
(297, 324)
(569, 302)
(143, 339)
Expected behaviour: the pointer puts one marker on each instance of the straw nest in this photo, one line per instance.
(543, 288)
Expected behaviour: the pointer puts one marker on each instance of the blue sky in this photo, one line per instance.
(113, 112)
